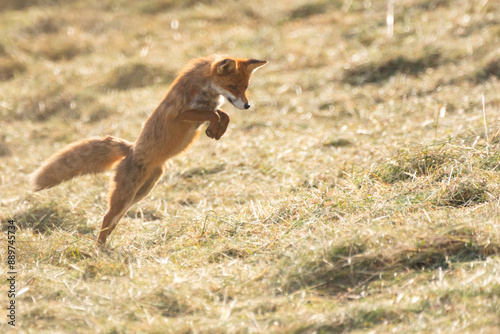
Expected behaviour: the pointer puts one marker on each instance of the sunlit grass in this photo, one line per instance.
(360, 194)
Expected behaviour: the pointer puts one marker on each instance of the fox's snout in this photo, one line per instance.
(238, 102)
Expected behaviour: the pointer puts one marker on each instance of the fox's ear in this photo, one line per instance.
(226, 66)
(253, 64)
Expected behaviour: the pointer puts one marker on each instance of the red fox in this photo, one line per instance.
(193, 99)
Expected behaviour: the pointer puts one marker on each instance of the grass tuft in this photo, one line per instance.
(48, 217)
(464, 191)
(410, 163)
(57, 48)
(338, 270)
(136, 75)
(57, 101)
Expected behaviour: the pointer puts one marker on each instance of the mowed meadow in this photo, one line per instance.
(359, 194)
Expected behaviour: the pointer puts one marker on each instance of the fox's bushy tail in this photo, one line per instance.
(87, 156)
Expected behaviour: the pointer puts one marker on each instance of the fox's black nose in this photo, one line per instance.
(246, 106)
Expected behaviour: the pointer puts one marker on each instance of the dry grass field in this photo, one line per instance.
(360, 193)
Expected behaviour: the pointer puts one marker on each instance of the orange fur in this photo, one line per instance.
(88, 156)
(193, 99)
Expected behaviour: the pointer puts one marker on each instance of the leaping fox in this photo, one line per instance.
(193, 99)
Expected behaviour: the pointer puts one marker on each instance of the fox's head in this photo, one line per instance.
(231, 76)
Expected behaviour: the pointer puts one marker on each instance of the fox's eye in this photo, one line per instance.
(234, 87)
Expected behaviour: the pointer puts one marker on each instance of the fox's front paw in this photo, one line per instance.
(224, 122)
(209, 133)
(213, 127)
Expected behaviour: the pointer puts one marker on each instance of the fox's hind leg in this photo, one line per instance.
(149, 184)
(117, 208)
(116, 215)
(131, 183)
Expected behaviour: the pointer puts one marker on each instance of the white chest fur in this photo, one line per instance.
(207, 99)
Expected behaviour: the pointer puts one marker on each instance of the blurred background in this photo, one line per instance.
(73, 60)
(366, 171)
(363, 69)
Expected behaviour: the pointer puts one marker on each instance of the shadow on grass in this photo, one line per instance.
(313, 8)
(433, 4)
(56, 101)
(147, 215)
(463, 176)
(168, 303)
(10, 67)
(21, 4)
(45, 219)
(227, 254)
(348, 268)
(362, 319)
(202, 171)
(488, 70)
(377, 72)
(137, 75)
